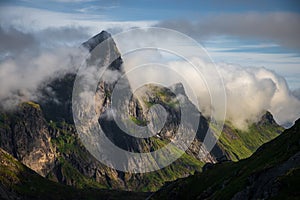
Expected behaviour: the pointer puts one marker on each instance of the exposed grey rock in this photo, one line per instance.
(26, 137)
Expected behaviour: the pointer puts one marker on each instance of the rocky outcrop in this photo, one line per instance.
(19, 182)
(167, 97)
(25, 135)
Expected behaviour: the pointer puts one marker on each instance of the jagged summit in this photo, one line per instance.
(268, 118)
(107, 50)
(63, 87)
(95, 40)
(178, 88)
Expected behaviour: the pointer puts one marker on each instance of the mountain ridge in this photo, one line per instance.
(271, 172)
(70, 162)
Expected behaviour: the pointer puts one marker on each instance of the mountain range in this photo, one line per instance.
(41, 151)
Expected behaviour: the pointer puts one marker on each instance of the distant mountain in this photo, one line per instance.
(42, 134)
(240, 144)
(95, 40)
(272, 172)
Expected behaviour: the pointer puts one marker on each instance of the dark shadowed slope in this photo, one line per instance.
(19, 182)
(272, 172)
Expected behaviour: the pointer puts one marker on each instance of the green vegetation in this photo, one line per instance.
(184, 166)
(138, 121)
(107, 94)
(76, 178)
(162, 95)
(31, 104)
(19, 181)
(224, 180)
(67, 143)
(166, 97)
(148, 103)
(152, 181)
(240, 144)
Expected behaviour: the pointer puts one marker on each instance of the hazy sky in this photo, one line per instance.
(255, 33)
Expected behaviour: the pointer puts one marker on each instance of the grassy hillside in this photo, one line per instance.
(240, 144)
(272, 172)
(237, 144)
(68, 145)
(18, 181)
(73, 159)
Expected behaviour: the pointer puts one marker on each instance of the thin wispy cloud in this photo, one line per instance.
(280, 27)
(72, 1)
(34, 19)
(13, 40)
(94, 8)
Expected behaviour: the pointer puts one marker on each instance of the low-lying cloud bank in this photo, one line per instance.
(26, 66)
(22, 77)
(250, 91)
(30, 59)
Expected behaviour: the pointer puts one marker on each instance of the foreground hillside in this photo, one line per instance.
(53, 150)
(272, 172)
(19, 182)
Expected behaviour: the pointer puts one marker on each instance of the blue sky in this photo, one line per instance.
(255, 33)
(159, 10)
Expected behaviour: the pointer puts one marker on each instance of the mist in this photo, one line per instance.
(250, 91)
(22, 77)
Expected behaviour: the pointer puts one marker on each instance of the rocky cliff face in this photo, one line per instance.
(154, 95)
(51, 146)
(25, 135)
(20, 182)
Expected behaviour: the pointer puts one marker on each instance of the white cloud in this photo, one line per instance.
(281, 27)
(250, 91)
(21, 77)
(283, 63)
(72, 1)
(33, 19)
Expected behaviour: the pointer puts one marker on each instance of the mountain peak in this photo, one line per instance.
(95, 40)
(268, 118)
(178, 88)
